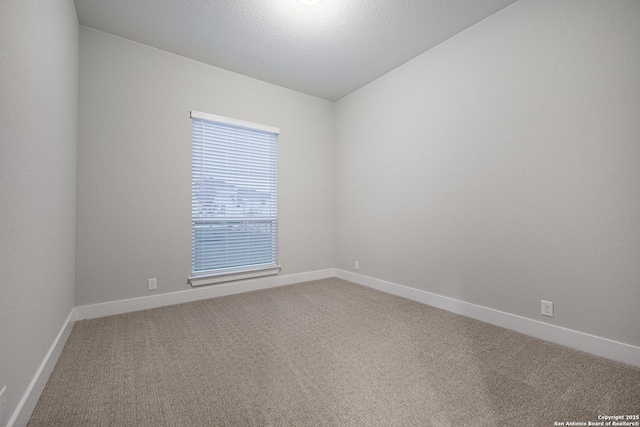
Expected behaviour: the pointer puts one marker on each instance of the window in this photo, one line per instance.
(234, 218)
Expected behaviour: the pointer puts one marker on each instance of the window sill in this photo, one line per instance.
(212, 279)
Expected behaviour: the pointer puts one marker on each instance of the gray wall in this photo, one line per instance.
(503, 167)
(499, 168)
(38, 138)
(134, 165)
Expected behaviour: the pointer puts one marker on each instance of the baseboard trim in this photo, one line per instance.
(205, 292)
(603, 347)
(598, 346)
(30, 397)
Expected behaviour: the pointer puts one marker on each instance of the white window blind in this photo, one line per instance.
(234, 218)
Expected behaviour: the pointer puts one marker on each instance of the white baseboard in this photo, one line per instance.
(144, 303)
(27, 404)
(592, 344)
(603, 347)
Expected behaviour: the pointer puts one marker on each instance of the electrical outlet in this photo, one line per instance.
(153, 284)
(2, 401)
(546, 308)
(356, 265)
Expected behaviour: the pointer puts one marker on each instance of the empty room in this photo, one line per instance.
(319, 212)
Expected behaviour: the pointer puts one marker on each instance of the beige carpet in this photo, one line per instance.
(327, 352)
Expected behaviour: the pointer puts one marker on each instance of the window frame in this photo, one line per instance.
(225, 274)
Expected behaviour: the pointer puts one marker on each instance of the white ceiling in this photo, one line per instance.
(327, 50)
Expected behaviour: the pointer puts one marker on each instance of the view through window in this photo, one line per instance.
(233, 196)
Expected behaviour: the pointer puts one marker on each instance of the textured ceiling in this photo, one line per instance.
(327, 50)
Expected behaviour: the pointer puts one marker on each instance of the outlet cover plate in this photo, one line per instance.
(546, 308)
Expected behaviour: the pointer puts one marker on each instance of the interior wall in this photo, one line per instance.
(38, 139)
(502, 167)
(134, 165)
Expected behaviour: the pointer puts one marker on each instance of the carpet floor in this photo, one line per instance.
(322, 353)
